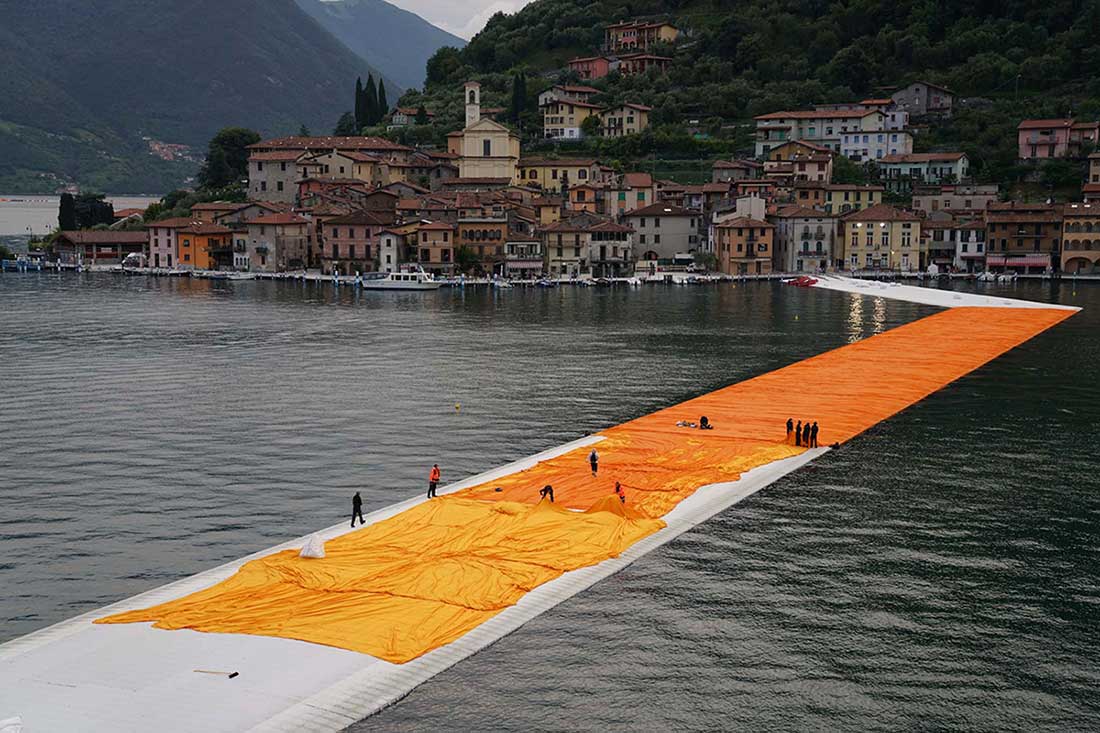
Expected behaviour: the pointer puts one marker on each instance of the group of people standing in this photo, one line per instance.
(546, 492)
(805, 433)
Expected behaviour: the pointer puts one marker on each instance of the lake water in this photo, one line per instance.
(942, 571)
(28, 214)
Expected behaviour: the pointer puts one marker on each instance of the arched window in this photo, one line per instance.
(473, 97)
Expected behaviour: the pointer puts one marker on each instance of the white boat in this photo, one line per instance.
(241, 276)
(417, 280)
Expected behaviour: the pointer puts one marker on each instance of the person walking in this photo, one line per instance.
(433, 480)
(813, 435)
(619, 492)
(357, 509)
(798, 434)
(594, 461)
(806, 435)
(790, 429)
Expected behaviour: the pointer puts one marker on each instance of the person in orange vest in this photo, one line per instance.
(433, 480)
(619, 492)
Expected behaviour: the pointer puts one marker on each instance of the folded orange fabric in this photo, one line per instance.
(404, 586)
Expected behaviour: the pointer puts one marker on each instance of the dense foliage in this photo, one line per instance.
(1005, 60)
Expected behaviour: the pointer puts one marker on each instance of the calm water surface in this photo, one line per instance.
(27, 214)
(939, 572)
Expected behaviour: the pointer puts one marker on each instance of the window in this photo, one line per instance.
(641, 239)
(282, 166)
(259, 166)
(263, 185)
(582, 174)
(656, 238)
(335, 232)
(486, 148)
(335, 251)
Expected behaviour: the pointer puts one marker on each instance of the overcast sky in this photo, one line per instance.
(462, 17)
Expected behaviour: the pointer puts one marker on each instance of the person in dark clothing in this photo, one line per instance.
(813, 435)
(798, 433)
(594, 460)
(806, 435)
(357, 509)
(547, 491)
(433, 480)
(790, 429)
(704, 423)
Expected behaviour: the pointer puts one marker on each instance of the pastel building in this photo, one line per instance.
(901, 172)
(921, 98)
(1055, 138)
(864, 147)
(820, 127)
(1081, 238)
(163, 250)
(638, 35)
(624, 119)
(881, 237)
(804, 239)
(662, 231)
(743, 246)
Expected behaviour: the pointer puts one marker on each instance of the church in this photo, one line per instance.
(486, 148)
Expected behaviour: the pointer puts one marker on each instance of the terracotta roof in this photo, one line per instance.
(452, 182)
(283, 217)
(881, 212)
(201, 228)
(177, 222)
(884, 100)
(329, 142)
(660, 209)
(363, 217)
(123, 213)
(562, 163)
(586, 223)
(734, 164)
(744, 221)
(802, 212)
(637, 56)
(630, 105)
(930, 84)
(105, 237)
(575, 88)
(814, 114)
(921, 157)
(276, 155)
(639, 24)
(582, 59)
(219, 206)
(570, 101)
(637, 180)
(437, 226)
(1034, 124)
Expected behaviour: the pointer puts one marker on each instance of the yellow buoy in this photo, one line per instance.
(458, 406)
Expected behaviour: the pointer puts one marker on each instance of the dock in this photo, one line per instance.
(80, 676)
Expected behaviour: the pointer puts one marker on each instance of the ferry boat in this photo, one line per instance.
(415, 280)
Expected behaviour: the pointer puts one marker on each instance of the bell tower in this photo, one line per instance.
(472, 90)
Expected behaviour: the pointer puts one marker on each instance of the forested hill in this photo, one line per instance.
(83, 83)
(1007, 59)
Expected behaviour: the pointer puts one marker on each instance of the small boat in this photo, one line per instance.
(546, 283)
(415, 280)
(240, 276)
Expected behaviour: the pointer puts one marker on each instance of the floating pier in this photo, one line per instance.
(320, 644)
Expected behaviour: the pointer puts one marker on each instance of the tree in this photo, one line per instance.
(92, 209)
(5, 253)
(360, 115)
(590, 126)
(346, 125)
(370, 106)
(465, 259)
(228, 146)
(66, 214)
(383, 104)
(519, 97)
(422, 115)
(303, 130)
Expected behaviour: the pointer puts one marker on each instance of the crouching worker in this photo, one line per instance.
(547, 491)
(704, 423)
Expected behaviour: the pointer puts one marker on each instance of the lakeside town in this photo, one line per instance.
(354, 204)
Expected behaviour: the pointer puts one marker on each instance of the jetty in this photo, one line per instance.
(277, 642)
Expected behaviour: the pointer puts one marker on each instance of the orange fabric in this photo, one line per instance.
(404, 586)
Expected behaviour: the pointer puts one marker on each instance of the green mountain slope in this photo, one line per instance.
(396, 41)
(1008, 58)
(84, 83)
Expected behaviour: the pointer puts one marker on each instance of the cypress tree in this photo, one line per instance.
(383, 105)
(360, 122)
(371, 106)
(66, 215)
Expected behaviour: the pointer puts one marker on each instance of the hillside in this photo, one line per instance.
(84, 83)
(394, 40)
(1006, 59)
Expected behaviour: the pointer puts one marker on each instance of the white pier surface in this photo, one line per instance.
(76, 676)
(927, 296)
